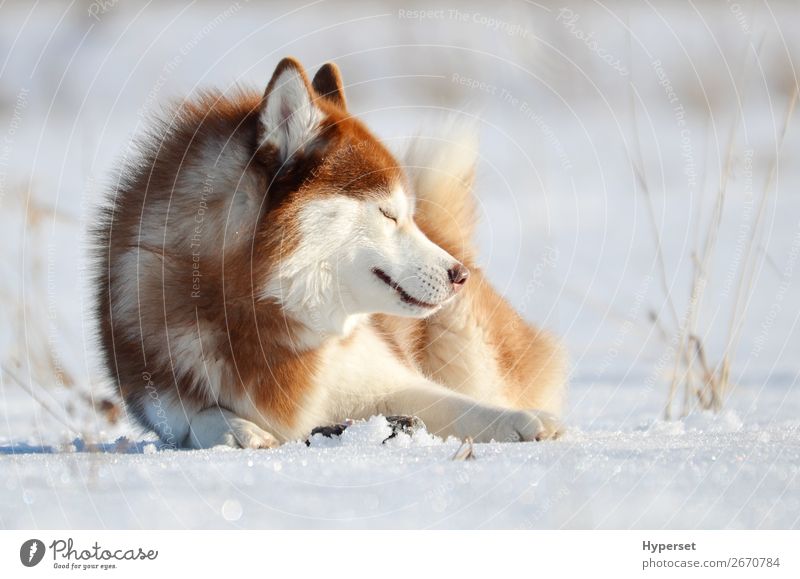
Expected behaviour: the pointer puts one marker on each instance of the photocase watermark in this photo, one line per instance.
(162, 427)
(99, 7)
(175, 62)
(547, 261)
(95, 556)
(31, 552)
(547, 131)
(475, 84)
(631, 317)
(454, 14)
(67, 556)
(7, 145)
(569, 19)
(549, 258)
(679, 112)
(495, 24)
(739, 15)
(787, 273)
(417, 14)
(52, 316)
(544, 505)
(197, 235)
(438, 497)
(523, 107)
(745, 226)
(671, 351)
(529, 113)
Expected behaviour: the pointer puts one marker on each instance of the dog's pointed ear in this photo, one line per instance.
(328, 84)
(288, 120)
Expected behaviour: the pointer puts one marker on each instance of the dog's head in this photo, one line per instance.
(341, 230)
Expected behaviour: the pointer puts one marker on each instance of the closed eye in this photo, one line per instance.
(388, 215)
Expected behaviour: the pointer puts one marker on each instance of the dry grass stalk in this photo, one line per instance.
(465, 451)
(716, 381)
(708, 395)
(691, 361)
(744, 288)
(5, 371)
(32, 361)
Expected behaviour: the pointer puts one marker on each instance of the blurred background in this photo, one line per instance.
(638, 179)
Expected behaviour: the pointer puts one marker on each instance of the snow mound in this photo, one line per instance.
(374, 432)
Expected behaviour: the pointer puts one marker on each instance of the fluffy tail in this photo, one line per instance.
(442, 172)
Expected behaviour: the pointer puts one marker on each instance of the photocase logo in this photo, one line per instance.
(31, 552)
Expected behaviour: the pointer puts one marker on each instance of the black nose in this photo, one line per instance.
(458, 275)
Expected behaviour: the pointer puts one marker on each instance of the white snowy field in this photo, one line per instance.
(739, 470)
(572, 99)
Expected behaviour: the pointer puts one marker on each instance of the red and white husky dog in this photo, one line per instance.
(266, 266)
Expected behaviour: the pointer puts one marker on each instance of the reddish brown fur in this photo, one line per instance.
(532, 363)
(253, 340)
(252, 337)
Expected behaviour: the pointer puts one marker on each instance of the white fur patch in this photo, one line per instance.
(220, 196)
(306, 282)
(124, 302)
(167, 415)
(402, 203)
(188, 353)
(458, 349)
(289, 117)
(216, 426)
(354, 259)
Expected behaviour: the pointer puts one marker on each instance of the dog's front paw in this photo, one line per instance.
(220, 427)
(245, 434)
(527, 425)
(552, 427)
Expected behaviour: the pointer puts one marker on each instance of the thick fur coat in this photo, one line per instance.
(266, 265)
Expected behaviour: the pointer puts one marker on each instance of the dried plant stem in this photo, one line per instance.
(32, 393)
(466, 451)
(641, 178)
(744, 287)
(639, 172)
(700, 276)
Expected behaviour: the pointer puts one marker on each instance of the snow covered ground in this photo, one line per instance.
(614, 469)
(566, 234)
